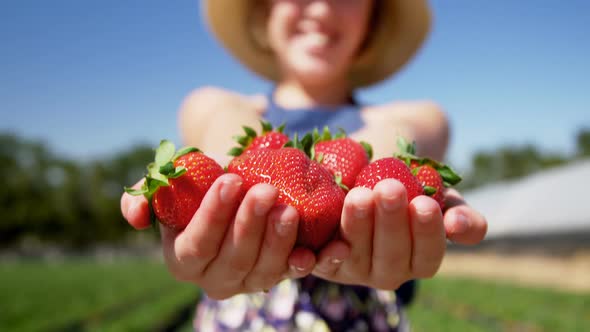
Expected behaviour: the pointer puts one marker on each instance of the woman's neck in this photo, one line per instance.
(293, 94)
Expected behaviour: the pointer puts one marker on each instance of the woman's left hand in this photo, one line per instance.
(385, 241)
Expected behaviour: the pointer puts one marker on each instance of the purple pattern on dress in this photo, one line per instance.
(308, 304)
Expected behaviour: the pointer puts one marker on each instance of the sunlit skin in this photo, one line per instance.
(242, 242)
(317, 41)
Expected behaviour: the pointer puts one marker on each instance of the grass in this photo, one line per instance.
(496, 306)
(150, 315)
(139, 295)
(73, 294)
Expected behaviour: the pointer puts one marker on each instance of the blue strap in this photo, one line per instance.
(303, 120)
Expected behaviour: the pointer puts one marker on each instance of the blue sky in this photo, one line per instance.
(95, 77)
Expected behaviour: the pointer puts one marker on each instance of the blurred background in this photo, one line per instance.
(88, 89)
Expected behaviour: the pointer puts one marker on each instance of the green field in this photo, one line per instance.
(470, 305)
(85, 295)
(135, 295)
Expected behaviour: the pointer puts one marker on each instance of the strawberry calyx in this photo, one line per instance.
(159, 172)
(306, 144)
(326, 135)
(250, 134)
(428, 190)
(407, 153)
(338, 180)
(161, 169)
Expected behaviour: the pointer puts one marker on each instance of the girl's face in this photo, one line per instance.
(317, 40)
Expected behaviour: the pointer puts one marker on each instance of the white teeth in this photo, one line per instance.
(318, 39)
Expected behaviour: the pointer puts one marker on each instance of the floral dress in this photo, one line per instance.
(308, 304)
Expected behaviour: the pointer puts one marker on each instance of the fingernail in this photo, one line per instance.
(297, 269)
(335, 261)
(329, 266)
(390, 201)
(229, 190)
(261, 208)
(424, 216)
(461, 225)
(284, 226)
(361, 212)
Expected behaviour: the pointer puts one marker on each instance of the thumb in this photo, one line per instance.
(135, 209)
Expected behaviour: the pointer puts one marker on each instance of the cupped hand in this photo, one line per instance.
(235, 243)
(463, 224)
(385, 240)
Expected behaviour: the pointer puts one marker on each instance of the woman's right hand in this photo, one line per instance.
(235, 243)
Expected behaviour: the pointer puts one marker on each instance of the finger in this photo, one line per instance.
(392, 242)
(200, 241)
(135, 209)
(463, 224)
(241, 246)
(330, 259)
(429, 236)
(452, 198)
(279, 239)
(301, 262)
(357, 230)
(177, 269)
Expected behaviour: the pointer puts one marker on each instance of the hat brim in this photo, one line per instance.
(402, 28)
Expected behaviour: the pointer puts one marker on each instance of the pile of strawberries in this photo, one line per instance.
(313, 174)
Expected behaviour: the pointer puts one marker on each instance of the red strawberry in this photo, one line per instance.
(269, 139)
(389, 168)
(302, 183)
(433, 176)
(431, 181)
(176, 183)
(341, 155)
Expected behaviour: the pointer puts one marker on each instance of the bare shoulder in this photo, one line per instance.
(422, 121)
(210, 116)
(209, 98)
(423, 110)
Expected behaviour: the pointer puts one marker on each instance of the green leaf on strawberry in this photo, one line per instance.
(269, 138)
(176, 183)
(164, 152)
(449, 176)
(407, 152)
(343, 156)
(433, 175)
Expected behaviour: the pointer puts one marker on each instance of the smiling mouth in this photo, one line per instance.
(315, 42)
(317, 39)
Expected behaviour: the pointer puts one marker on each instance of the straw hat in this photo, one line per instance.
(400, 29)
